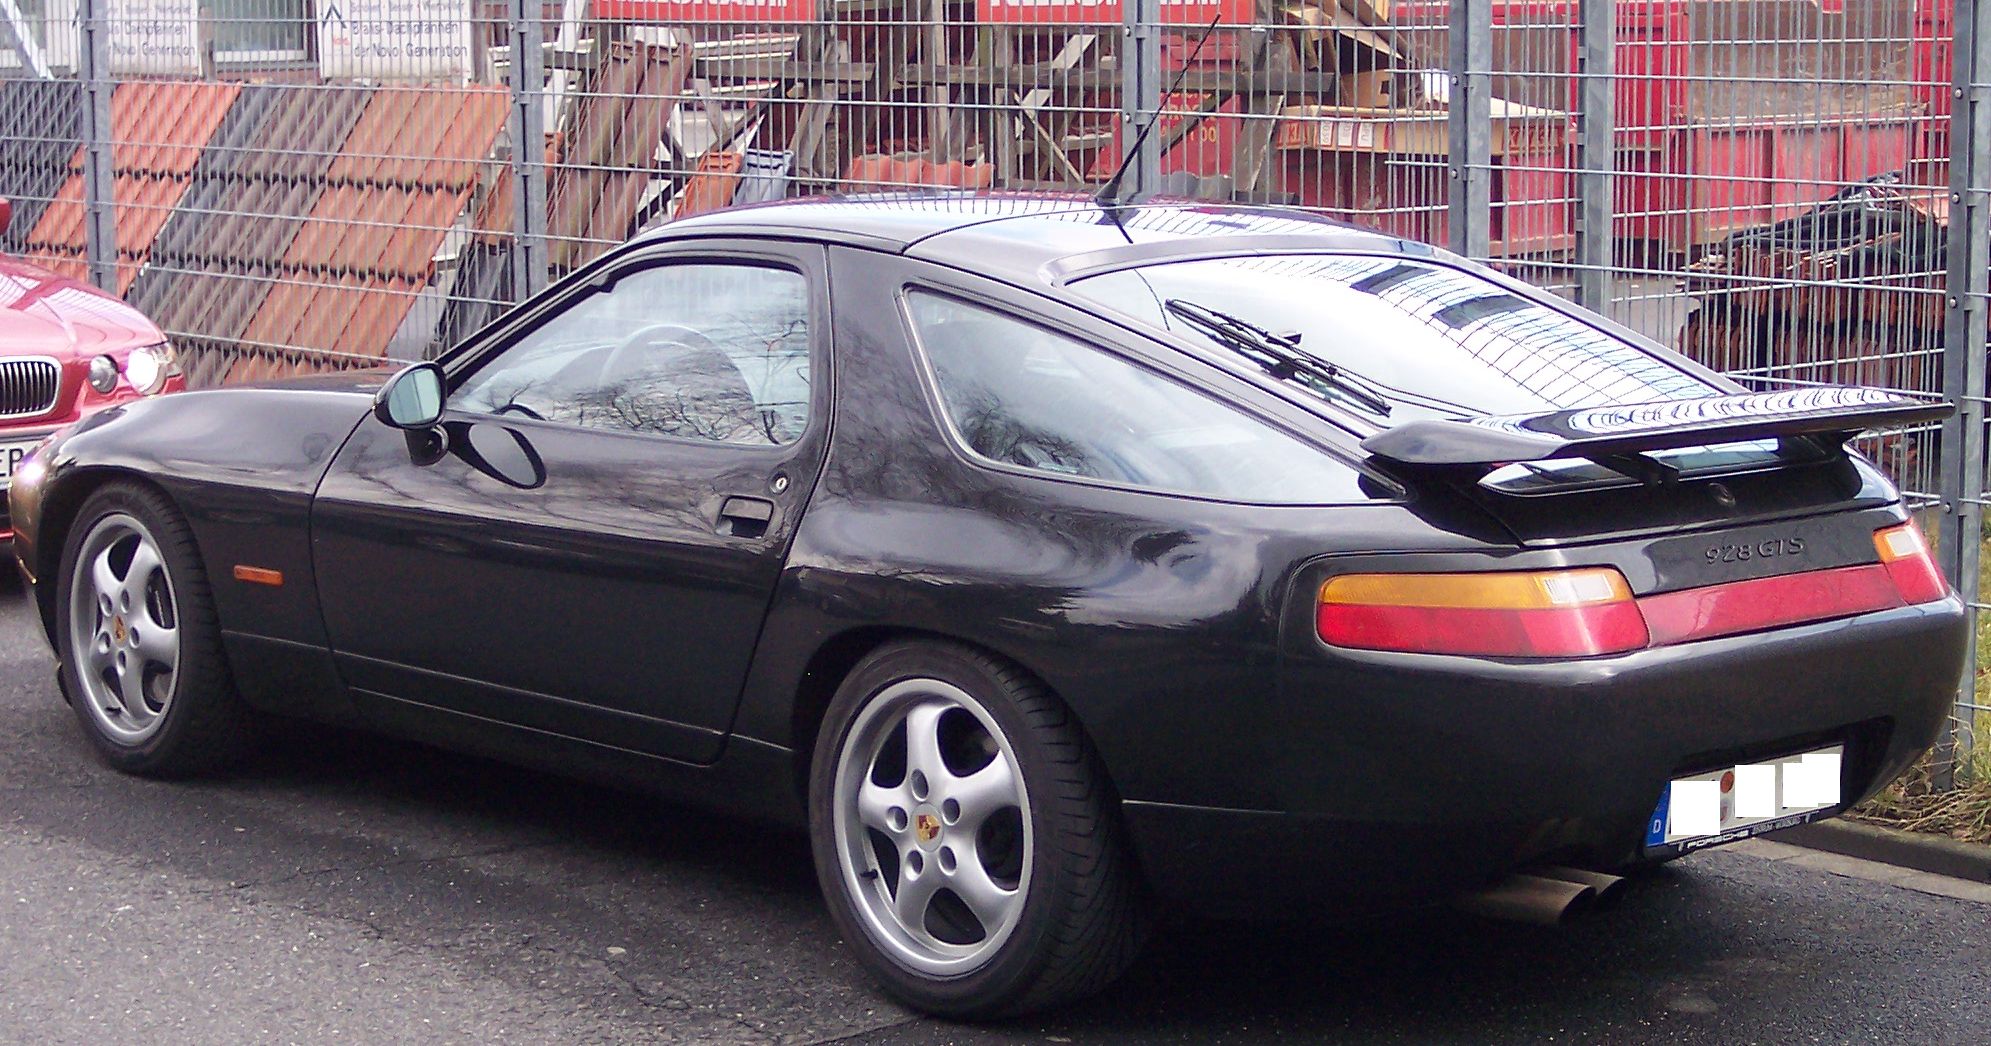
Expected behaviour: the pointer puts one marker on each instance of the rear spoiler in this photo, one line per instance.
(1614, 432)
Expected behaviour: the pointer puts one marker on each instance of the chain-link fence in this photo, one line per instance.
(1789, 190)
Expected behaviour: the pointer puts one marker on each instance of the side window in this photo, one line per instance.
(707, 351)
(1021, 395)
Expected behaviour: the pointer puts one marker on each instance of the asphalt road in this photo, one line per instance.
(360, 890)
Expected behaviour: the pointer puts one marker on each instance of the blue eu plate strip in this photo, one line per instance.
(1655, 829)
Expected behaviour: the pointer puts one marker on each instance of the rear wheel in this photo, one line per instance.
(965, 837)
(140, 646)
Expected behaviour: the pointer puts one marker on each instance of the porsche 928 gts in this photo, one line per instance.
(1045, 561)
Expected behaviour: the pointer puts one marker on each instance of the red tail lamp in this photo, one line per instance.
(1906, 557)
(1588, 611)
(1537, 613)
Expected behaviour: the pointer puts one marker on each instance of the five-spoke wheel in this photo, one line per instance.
(933, 825)
(140, 644)
(124, 624)
(965, 835)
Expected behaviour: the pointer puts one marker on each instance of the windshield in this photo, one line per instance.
(1445, 343)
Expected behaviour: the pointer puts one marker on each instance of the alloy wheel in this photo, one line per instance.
(933, 827)
(124, 628)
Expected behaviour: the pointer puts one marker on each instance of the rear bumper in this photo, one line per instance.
(1404, 780)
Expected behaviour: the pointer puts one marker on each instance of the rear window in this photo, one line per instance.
(1542, 477)
(1438, 342)
(1419, 340)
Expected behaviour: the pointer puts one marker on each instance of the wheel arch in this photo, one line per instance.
(836, 657)
(58, 514)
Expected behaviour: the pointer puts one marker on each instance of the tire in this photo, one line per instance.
(141, 657)
(1057, 912)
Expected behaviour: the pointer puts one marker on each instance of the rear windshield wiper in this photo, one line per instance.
(1280, 355)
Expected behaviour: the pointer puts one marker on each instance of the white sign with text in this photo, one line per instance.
(154, 36)
(394, 39)
(145, 36)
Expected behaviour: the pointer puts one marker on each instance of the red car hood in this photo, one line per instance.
(45, 314)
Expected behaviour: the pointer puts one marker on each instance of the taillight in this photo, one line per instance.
(1735, 607)
(1539, 613)
(1591, 610)
(1908, 562)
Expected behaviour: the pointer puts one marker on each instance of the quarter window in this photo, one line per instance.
(1020, 395)
(698, 351)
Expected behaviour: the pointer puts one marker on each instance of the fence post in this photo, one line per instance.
(1140, 95)
(100, 228)
(1596, 92)
(1469, 199)
(1965, 285)
(527, 128)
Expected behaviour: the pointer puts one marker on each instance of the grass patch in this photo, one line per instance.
(1913, 804)
(1963, 812)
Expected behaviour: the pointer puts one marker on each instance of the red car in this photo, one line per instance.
(66, 350)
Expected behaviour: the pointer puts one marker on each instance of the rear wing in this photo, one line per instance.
(1613, 432)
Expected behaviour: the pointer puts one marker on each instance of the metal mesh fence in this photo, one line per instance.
(1787, 190)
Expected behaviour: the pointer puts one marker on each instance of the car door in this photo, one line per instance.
(589, 545)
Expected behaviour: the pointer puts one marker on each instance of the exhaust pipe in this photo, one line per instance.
(1607, 886)
(1530, 899)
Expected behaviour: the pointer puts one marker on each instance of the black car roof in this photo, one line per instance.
(1030, 236)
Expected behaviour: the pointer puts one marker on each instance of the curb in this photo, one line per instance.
(1922, 852)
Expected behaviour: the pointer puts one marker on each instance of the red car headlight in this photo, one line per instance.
(148, 367)
(103, 375)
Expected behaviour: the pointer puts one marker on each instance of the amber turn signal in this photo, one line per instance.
(259, 575)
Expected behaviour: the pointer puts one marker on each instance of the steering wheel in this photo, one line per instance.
(628, 352)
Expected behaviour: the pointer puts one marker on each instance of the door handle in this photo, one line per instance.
(744, 517)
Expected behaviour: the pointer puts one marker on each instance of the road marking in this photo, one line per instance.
(1872, 871)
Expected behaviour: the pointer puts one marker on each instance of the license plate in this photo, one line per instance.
(1740, 801)
(11, 453)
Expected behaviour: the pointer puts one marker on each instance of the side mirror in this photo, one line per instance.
(412, 399)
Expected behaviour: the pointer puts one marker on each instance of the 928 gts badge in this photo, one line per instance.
(1765, 549)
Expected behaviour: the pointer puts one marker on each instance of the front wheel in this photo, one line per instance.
(140, 644)
(965, 836)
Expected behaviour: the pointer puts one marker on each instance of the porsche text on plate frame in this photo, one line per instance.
(1043, 561)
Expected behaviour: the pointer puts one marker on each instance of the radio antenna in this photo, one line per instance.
(1108, 195)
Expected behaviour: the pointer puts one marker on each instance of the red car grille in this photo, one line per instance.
(28, 387)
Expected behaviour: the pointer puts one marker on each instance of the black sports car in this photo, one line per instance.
(1045, 559)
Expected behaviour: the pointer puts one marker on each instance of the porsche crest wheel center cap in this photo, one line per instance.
(117, 629)
(926, 827)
